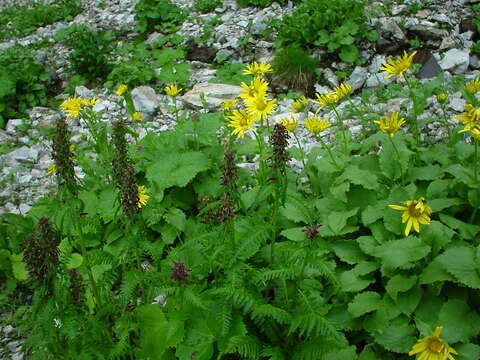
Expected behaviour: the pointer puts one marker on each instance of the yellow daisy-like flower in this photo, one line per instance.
(342, 91)
(52, 169)
(256, 87)
(399, 65)
(299, 105)
(72, 106)
(121, 90)
(90, 103)
(470, 117)
(433, 347)
(474, 131)
(229, 104)
(289, 124)
(442, 98)
(137, 116)
(415, 212)
(473, 86)
(142, 196)
(172, 90)
(257, 69)
(316, 125)
(326, 99)
(390, 124)
(241, 121)
(260, 107)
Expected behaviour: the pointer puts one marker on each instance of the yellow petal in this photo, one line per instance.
(424, 219)
(421, 346)
(398, 207)
(416, 225)
(405, 216)
(438, 331)
(409, 226)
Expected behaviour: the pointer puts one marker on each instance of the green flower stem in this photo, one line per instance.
(273, 223)
(175, 108)
(343, 129)
(445, 122)
(261, 160)
(329, 151)
(398, 157)
(416, 130)
(300, 148)
(475, 177)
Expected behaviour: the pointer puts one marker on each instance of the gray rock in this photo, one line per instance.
(7, 330)
(358, 77)
(474, 64)
(5, 138)
(153, 37)
(145, 100)
(376, 79)
(17, 356)
(396, 104)
(428, 31)
(214, 94)
(24, 209)
(23, 155)
(389, 27)
(82, 91)
(103, 106)
(455, 61)
(12, 125)
(456, 103)
(331, 78)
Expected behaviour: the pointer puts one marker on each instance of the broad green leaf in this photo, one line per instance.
(365, 267)
(348, 251)
(467, 231)
(459, 322)
(440, 204)
(462, 263)
(408, 301)
(373, 212)
(176, 218)
(369, 354)
(294, 234)
(75, 261)
(340, 191)
(349, 53)
(108, 203)
(361, 177)
(437, 189)
(337, 220)
(365, 302)
(462, 174)
(177, 170)
(434, 272)
(368, 244)
(99, 270)
(400, 283)
(467, 352)
(397, 335)
(430, 172)
(402, 253)
(436, 235)
(351, 282)
(18, 267)
(297, 210)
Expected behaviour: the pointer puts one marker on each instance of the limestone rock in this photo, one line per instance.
(214, 94)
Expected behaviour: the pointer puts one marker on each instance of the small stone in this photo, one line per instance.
(456, 104)
(24, 209)
(12, 125)
(214, 94)
(23, 155)
(456, 61)
(83, 92)
(8, 329)
(145, 100)
(358, 77)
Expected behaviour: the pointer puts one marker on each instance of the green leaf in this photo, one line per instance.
(462, 263)
(462, 174)
(402, 253)
(467, 231)
(177, 170)
(453, 317)
(348, 251)
(349, 53)
(400, 283)
(18, 267)
(75, 261)
(108, 203)
(294, 234)
(176, 218)
(430, 172)
(437, 189)
(434, 272)
(373, 212)
(337, 220)
(364, 303)
(361, 177)
(440, 204)
(467, 352)
(339, 191)
(351, 282)
(397, 335)
(99, 270)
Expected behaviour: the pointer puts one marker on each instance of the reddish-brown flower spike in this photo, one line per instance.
(179, 271)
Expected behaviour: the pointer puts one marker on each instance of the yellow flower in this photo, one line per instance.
(257, 69)
(326, 99)
(399, 65)
(442, 98)
(299, 105)
(433, 347)
(473, 86)
(121, 89)
(256, 87)
(137, 116)
(72, 147)
(260, 107)
(390, 124)
(342, 91)
(72, 106)
(241, 121)
(289, 124)
(315, 125)
(90, 103)
(415, 212)
(229, 104)
(142, 196)
(470, 117)
(474, 131)
(172, 90)
(52, 169)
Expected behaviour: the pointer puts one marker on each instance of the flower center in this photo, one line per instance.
(435, 345)
(414, 211)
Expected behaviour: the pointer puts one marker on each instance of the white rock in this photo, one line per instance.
(214, 94)
(24, 209)
(145, 100)
(455, 61)
(82, 91)
(456, 104)
(358, 77)
(24, 154)
(12, 125)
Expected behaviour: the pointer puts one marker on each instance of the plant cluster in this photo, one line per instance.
(167, 249)
(158, 15)
(90, 51)
(336, 26)
(19, 21)
(262, 3)
(23, 82)
(207, 6)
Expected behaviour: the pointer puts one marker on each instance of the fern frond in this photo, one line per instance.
(313, 325)
(252, 235)
(262, 312)
(131, 279)
(223, 315)
(273, 353)
(246, 346)
(194, 298)
(265, 275)
(315, 349)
